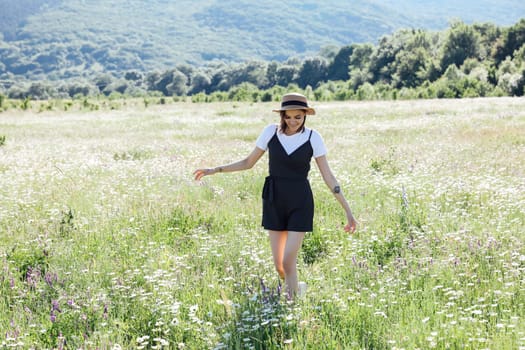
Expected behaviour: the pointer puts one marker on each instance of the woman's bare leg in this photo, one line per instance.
(291, 251)
(278, 243)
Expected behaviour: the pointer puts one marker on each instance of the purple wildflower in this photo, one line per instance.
(55, 306)
(264, 289)
(51, 278)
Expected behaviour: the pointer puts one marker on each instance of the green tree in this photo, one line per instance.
(78, 87)
(461, 42)
(410, 67)
(178, 85)
(511, 40)
(271, 73)
(199, 83)
(117, 87)
(313, 71)
(187, 70)
(161, 81)
(415, 61)
(519, 55)
(102, 81)
(383, 57)
(338, 69)
(359, 77)
(511, 78)
(17, 92)
(41, 91)
(133, 75)
(455, 84)
(489, 34)
(286, 74)
(151, 79)
(404, 59)
(329, 52)
(219, 80)
(358, 67)
(253, 72)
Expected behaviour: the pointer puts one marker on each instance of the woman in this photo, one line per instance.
(288, 206)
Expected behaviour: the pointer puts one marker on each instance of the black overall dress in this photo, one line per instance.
(288, 203)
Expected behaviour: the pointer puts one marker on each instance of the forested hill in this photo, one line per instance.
(58, 39)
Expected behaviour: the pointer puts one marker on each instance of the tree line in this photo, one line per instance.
(475, 60)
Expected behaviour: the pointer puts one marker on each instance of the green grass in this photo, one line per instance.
(106, 240)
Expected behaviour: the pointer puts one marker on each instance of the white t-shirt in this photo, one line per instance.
(292, 142)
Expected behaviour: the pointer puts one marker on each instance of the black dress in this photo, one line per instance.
(288, 203)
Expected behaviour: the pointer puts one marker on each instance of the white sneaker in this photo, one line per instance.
(301, 290)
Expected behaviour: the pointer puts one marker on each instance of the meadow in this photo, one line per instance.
(107, 242)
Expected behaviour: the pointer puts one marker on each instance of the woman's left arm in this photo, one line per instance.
(331, 182)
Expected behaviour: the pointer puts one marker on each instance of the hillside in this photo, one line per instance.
(59, 39)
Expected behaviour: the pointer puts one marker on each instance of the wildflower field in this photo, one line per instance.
(107, 242)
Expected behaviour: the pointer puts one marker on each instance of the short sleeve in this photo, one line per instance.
(317, 144)
(265, 137)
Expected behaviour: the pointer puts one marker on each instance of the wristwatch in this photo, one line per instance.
(337, 189)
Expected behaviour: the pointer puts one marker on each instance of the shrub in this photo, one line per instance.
(314, 247)
(26, 103)
(260, 321)
(198, 98)
(386, 165)
(366, 92)
(29, 262)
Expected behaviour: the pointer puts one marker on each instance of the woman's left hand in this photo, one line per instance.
(199, 173)
(351, 225)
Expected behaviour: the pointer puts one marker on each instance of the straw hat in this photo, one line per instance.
(295, 101)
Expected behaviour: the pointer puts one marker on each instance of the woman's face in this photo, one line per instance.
(294, 119)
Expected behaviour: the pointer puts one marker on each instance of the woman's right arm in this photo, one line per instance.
(244, 164)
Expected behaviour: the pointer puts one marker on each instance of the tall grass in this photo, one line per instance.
(106, 242)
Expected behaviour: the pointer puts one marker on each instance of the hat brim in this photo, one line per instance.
(309, 110)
